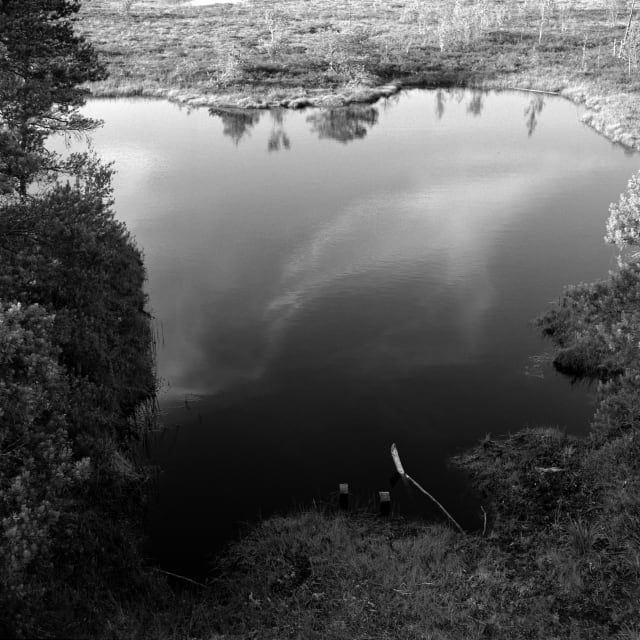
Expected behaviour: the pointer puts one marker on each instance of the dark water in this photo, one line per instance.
(327, 283)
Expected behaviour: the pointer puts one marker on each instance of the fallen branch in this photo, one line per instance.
(177, 575)
(549, 93)
(403, 474)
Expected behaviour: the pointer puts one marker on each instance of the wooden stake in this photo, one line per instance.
(385, 503)
(343, 496)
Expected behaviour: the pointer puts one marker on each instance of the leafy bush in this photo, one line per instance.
(76, 361)
(67, 252)
(623, 225)
(37, 467)
(596, 325)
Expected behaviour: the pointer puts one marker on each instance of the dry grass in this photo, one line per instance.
(272, 53)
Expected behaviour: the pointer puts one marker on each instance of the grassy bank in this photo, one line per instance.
(294, 53)
(559, 559)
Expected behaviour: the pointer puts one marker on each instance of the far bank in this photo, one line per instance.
(296, 54)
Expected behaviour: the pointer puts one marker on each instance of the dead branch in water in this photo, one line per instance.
(549, 93)
(177, 575)
(403, 474)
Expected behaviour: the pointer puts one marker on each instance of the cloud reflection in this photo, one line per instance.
(389, 284)
(429, 268)
(394, 272)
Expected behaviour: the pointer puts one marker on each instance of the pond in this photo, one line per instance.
(326, 283)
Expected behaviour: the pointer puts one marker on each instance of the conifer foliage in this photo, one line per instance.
(42, 65)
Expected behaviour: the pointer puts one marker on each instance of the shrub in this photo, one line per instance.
(76, 362)
(623, 225)
(596, 325)
(67, 252)
(37, 468)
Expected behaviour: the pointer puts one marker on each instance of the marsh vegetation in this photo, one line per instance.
(559, 556)
(292, 53)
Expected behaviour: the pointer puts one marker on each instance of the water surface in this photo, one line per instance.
(327, 283)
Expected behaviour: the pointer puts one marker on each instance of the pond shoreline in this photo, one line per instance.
(350, 575)
(613, 115)
(328, 54)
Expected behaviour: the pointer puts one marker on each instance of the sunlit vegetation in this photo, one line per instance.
(289, 52)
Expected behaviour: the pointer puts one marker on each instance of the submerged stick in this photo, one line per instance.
(177, 575)
(400, 469)
(549, 93)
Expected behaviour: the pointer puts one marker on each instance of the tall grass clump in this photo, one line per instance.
(462, 23)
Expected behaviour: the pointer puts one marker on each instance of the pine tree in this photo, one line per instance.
(42, 64)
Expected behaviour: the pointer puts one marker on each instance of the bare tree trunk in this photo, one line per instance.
(626, 32)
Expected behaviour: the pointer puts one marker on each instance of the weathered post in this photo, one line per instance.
(385, 503)
(343, 496)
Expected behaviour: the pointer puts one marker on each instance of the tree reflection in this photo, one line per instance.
(278, 139)
(344, 124)
(440, 103)
(236, 123)
(532, 113)
(476, 103)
